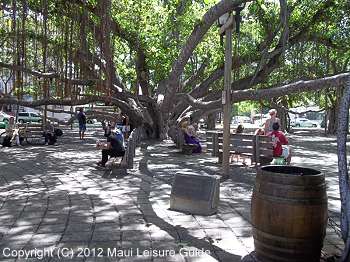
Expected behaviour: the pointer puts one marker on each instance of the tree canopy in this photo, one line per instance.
(137, 53)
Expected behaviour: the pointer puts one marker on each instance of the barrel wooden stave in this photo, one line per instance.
(289, 215)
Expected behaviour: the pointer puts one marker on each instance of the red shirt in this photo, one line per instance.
(278, 139)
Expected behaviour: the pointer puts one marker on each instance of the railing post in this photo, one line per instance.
(215, 144)
(256, 151)
(130, 154)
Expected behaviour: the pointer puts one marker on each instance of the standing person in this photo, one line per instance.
(82, 123)
(126, 126)
(280, 142)
(119, 121)
(269, 122)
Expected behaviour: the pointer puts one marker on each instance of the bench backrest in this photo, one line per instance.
(33, 129)
(254, 145)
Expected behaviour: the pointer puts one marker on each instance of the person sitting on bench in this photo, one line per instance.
(238, 157)
(280, 142)
(190, 138)
(114, 146)
(12, 134)
(49, 134)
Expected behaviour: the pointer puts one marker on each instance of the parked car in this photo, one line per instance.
(241, 119)
(4, 117)
(91, 121)
(303, 122)
(27, 117)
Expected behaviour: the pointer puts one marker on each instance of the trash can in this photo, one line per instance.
(289, 213)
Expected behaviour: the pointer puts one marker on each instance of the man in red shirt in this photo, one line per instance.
(279, 139)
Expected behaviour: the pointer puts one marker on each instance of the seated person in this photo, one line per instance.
(12, 134)
(114, 146)
(237, 157)
(240, 129)
(49, 134)
(279, 142)
(259, 132)
(190, 138)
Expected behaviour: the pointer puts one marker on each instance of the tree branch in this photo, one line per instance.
(193, 40)
(48, 75)
(262, 94)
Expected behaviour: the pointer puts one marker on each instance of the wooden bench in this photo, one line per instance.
(32, 133)
(187, 149)
(258, 148)
(117, 166)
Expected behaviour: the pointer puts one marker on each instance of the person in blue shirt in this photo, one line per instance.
(82, 123)
(113, 148)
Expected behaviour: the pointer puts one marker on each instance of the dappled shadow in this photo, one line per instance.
(53, 196)
(194, 231)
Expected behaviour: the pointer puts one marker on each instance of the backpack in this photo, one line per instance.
(119, 145)
(52, 139)
(58, 132)
(6, 142)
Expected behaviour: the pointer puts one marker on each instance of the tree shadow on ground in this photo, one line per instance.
(182, 234)
(54, 197)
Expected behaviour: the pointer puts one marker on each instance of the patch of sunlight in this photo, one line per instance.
(321, 161)
(65, 155)
(159, 154)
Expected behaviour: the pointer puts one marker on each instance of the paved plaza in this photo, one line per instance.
(53, 199)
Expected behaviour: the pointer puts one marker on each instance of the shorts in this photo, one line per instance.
(285, 151)
(82, 127)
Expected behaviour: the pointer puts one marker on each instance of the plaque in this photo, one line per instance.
(195, 193)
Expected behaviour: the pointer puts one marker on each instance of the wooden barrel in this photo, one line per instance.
(289, 214)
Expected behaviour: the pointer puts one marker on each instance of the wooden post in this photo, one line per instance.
(215, 151)
(256, 156)
(180, 138)
(130, 154)
(134, 144)
(226, 97)
(45, 97)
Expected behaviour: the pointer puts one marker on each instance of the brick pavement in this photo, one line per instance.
(53, 197)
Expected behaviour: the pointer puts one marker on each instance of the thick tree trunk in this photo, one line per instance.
(282, 115)
(332, 116)
(344, 186)
(211, 121)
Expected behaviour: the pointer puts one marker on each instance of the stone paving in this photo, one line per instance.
(53, 199)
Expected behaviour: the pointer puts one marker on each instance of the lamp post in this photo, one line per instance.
(226, 23)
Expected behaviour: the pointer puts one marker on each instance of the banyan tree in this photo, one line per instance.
(161, 60)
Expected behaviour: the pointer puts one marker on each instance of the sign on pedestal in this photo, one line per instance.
(195, 193)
